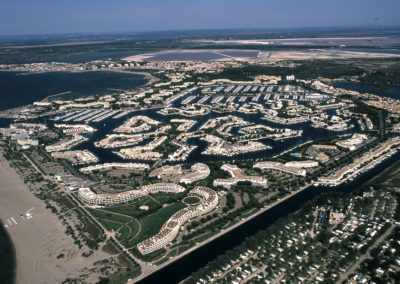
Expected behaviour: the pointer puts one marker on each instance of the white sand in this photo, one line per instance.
(39, 240)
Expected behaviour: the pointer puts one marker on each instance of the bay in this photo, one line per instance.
(18, 89)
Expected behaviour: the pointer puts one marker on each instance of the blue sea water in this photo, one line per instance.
(7, 258)
(19, 89)
(391, 92)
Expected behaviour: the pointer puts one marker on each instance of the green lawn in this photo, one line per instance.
(162, 198)
(127, 233)
(174, 252)
(151, 224)
(204, 237)
(133, 208)
(155, 255)
(109, 220)
(128, 227)
(110, 225)
(191, 200)
(248, 213)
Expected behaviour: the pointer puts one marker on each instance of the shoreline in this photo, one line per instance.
(145, 74)
(10, 113)
(37, 241)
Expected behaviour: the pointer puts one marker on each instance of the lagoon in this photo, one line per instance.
(391, 92)
(18, 89)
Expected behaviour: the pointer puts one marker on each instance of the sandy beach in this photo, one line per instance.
(39, 240)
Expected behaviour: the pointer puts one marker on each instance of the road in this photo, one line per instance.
(366, 255)
(145, 267)
(222, 232)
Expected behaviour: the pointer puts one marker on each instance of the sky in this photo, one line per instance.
(23, 17)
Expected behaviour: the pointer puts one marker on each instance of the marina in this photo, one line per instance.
(164, 164)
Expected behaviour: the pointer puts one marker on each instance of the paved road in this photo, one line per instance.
(145, 267)
(366, 255)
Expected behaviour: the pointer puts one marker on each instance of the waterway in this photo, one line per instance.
(309, 134)
(390, 92)
(107, 126)
(18, 89)
(183, 267)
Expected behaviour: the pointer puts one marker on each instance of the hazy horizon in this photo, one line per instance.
(123, 16)
(255, 30)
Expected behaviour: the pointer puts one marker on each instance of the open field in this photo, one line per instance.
(133, 209)
(130, 230)
(152, 223)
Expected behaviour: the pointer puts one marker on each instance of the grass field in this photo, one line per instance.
(133, 210)
(162, 198)
(130, 230)
(191, 200)
(151, 224)
(174, 252)
(109, 220)
(127, 233)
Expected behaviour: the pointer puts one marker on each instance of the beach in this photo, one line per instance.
(39, 240)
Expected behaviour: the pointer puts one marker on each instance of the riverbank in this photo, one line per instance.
(262, 211)
(221, 233)
(182, 266)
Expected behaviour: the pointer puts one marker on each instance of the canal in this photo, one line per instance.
(183, 267)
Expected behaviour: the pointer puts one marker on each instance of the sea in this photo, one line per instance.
(7, 257)
(390, 92)
(18, 88)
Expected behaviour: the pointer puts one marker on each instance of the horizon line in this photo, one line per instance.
(270, 29)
